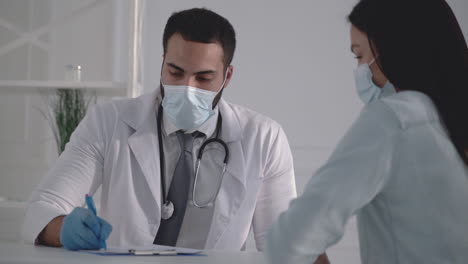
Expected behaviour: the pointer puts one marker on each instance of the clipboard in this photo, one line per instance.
(154, 250)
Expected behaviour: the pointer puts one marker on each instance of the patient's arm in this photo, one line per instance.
(50, 235)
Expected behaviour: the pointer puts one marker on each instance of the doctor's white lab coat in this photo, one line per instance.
(399, 172)
(116, 147)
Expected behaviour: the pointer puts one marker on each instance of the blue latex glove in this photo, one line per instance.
(82, 229)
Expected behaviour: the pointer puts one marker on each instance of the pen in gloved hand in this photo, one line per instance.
(92, 207)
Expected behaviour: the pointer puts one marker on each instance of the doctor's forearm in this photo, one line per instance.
(50, 235)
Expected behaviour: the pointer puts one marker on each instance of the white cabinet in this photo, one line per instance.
(39, 38)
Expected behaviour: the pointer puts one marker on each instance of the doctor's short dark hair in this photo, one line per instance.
(204, 26)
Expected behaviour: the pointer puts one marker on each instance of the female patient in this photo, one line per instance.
(402, 167)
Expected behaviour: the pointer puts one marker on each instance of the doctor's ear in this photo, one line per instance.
(229, 73)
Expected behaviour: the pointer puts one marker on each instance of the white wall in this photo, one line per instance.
(292, 64)
(289, 66)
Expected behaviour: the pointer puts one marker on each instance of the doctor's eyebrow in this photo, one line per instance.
(205, 72)
(172, 65)
(175, 67)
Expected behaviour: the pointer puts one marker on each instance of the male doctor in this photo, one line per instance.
(144, 154)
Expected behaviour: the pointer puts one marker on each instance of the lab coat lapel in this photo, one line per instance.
(233, 186)
(143, 142)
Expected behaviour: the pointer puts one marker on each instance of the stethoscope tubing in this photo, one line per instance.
(199, 158)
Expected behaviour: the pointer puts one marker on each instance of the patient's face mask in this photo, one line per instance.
(367, 90)
(188, 107)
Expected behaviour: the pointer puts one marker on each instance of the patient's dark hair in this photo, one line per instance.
(202, 25)
(421, 47)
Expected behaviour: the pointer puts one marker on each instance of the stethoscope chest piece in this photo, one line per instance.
(167, 210)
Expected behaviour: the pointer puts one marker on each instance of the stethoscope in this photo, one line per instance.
(167, 206)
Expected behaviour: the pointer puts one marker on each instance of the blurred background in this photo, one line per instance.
(292, 63)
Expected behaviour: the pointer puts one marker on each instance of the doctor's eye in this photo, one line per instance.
(358, 57)
(203, 79)
(176, 74)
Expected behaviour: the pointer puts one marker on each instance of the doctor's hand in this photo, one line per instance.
(81, 229)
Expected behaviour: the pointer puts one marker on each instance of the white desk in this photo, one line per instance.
(23, 253)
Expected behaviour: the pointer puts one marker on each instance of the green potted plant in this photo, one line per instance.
(65, 110)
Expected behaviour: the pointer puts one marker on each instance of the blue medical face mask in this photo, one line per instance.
(366, 88)
(188, 107)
